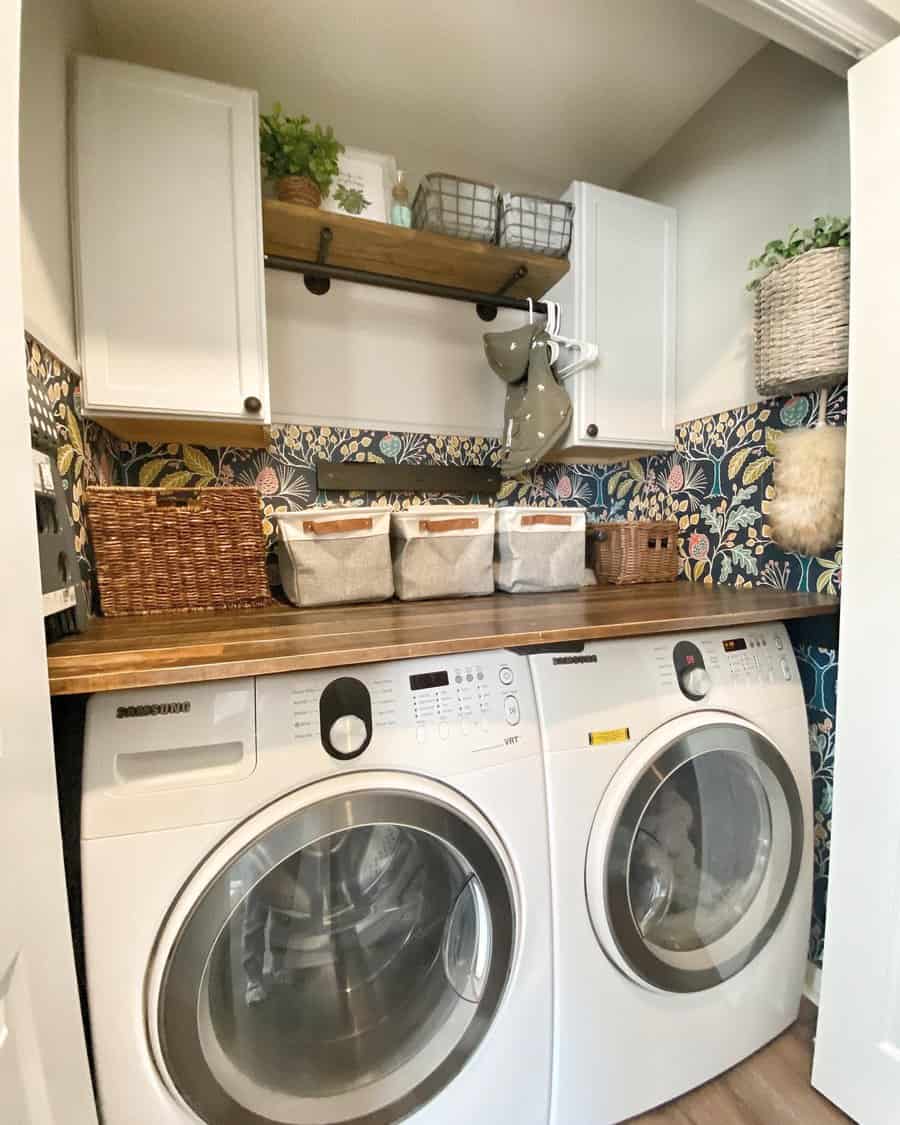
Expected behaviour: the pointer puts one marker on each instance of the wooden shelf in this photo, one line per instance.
(292, 231)
(131, 652)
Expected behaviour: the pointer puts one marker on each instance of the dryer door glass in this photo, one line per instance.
(704, 858)
(342, 968)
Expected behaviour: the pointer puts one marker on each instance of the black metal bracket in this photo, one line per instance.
(318, 275)
(489, 312)
(320, 283)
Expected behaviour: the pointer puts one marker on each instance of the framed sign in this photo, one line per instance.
(363, 185)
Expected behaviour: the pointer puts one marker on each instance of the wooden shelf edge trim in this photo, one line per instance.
(291, 651)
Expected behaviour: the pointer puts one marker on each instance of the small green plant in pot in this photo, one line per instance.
(300, 157)
(827, 231)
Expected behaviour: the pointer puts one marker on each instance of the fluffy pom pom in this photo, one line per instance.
(807, 514)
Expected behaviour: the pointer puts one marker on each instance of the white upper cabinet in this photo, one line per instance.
(620, 295)
(167, 239)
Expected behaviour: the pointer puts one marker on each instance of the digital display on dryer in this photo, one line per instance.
(425, 680)
(736, 645)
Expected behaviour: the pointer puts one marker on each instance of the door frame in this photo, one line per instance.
(44, 1075)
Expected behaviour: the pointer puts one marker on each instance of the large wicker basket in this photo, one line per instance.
(164, 550)
(636, 551)
(801, 323)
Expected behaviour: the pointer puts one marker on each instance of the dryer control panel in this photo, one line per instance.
(758, 656)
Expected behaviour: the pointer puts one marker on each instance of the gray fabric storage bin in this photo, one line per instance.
(443, 551)
(329, 556)
(539, 549)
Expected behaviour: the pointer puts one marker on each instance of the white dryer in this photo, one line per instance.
(679, 792)
(320, 898)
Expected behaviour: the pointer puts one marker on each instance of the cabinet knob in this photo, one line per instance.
(252, 404)
(592, 430)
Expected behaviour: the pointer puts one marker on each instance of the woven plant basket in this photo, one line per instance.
(165, 550)
(299, 189)
(636, 551)
(801, 323)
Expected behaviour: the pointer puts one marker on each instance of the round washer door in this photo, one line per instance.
(337, 959)
(694, 853)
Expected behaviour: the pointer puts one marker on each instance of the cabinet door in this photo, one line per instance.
(620, 295)
(168, 244)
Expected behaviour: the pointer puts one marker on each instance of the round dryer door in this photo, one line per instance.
(337, 959)
(694, 854)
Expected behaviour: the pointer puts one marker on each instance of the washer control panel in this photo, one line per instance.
(466, 697)
(439, 707)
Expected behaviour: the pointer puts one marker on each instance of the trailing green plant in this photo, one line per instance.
(293, 146)
(350, 200)
(826, 231)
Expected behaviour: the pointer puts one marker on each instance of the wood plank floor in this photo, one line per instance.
(770, 1088)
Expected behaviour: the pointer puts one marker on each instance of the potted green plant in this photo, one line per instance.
(300, 157)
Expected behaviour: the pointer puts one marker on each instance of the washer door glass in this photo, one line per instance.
(704, 858)
(342, 968)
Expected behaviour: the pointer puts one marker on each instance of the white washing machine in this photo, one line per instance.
(320, 898)
(679, 794)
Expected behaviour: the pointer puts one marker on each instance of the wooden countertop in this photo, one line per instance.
(129, 652)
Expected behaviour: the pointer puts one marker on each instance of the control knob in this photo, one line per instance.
(347, 735)
(345, 718)
(695, 682)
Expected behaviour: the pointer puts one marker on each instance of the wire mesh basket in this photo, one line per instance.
(447, 204)
(531, 222)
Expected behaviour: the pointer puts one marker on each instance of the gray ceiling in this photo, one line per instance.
(530, 95)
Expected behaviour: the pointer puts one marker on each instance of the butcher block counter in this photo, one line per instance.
(130, 652)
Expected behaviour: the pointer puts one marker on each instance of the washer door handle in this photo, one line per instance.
(466, 951)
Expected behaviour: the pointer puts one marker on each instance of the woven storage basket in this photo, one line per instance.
(801, 323)
(638, 551)
(162, 550)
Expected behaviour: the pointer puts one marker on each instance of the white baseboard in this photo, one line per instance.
(812, 986)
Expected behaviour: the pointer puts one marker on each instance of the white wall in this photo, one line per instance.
(368, 357)
(769, 150)
(51, 29)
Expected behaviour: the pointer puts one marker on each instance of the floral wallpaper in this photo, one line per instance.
(87, 454)
(818, 670)
(285, 472)
(717, 483)
(720, 485)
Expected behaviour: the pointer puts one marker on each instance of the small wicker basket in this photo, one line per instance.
(801, 323)
(163, 550)
(636, 551)
(299, 189)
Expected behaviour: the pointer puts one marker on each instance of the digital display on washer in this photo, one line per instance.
(736, 645)
(425, 680)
